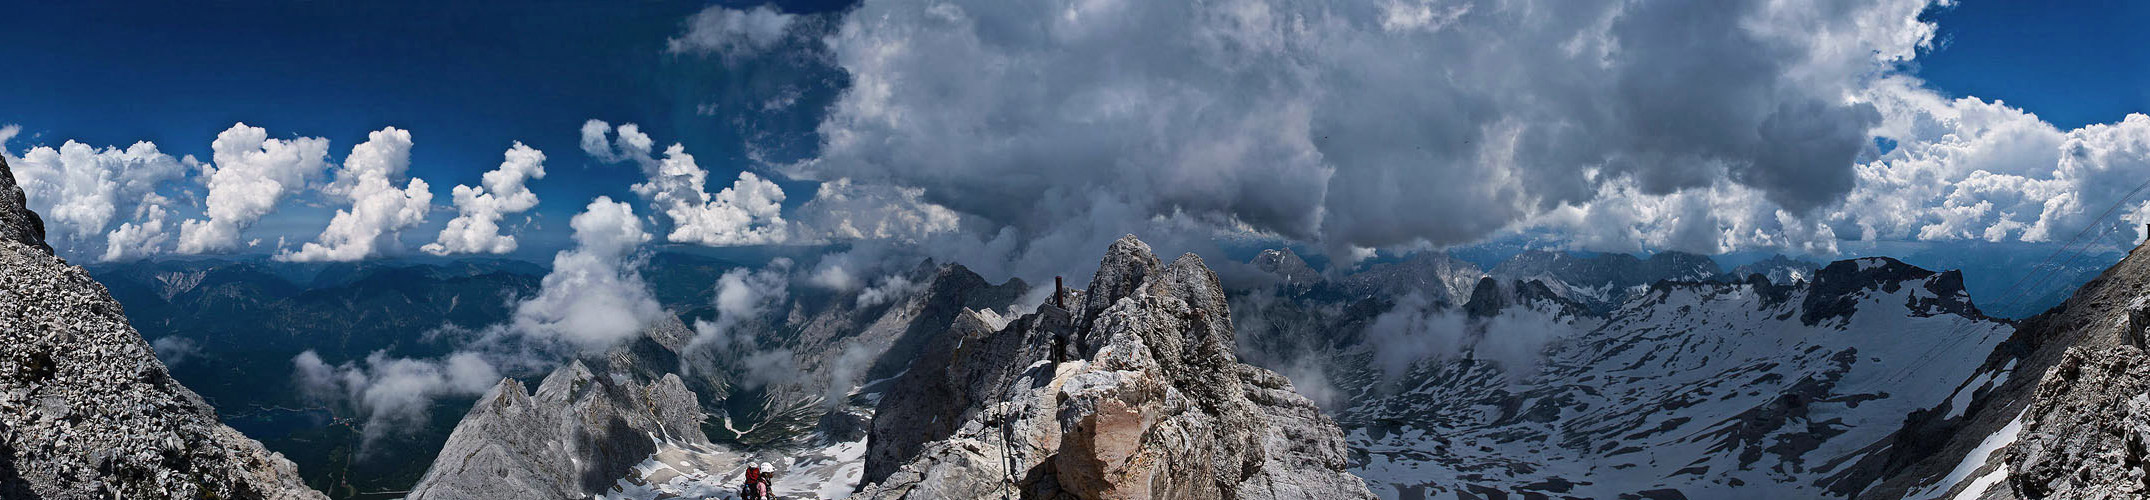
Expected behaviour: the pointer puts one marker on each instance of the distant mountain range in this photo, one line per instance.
(225, 323)
(226, 326)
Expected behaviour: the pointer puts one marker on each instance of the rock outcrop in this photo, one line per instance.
(576, 436)
(2087, 432)
(86, 409)
(1134, 393)
(17, 222)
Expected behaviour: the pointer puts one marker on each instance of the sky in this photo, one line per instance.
(2068, 62)
(1019, 138)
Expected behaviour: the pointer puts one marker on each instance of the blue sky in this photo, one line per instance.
(1015, 151)
(2072, 63)
(467, 78)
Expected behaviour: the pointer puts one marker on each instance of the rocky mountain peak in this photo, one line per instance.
(1838, 287)
(1437, 276)
(1286, 264)
(1127, 263)
(1151, 404)
(1681, 265)
(575, 436)
(1486, 298)
(2057, 411)
(1778, 269)
(1604, 281)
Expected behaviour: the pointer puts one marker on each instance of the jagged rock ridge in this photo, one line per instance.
(1604, 281)
(86, 409)
(1132, 392)
(578, 434)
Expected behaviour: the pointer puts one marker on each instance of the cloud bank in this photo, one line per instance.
(1352, 124)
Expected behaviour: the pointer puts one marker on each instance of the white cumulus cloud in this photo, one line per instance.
(143, 237)
(593, 297)
(842, 210)
(250, 175)
(476, 226)
(391, 394)
(379, 210)
(83, 190)
(749, 212)
(742, 296)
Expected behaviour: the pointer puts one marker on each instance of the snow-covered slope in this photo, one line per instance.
(1704, 389)
(1688, 388)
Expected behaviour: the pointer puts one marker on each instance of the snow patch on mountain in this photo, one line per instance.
(1704, 389)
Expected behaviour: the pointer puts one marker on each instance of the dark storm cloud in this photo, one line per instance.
(1357, 125)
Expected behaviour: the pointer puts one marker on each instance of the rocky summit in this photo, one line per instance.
(1130, 390)
(86, 409)
(577, 435)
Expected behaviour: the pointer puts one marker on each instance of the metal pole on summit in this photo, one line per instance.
(1059, 290)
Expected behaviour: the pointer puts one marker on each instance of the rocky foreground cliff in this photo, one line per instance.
(1130, 390)
(2061, 410)
(86, 410)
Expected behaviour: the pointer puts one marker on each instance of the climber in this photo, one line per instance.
(757, 484)
(768, 482)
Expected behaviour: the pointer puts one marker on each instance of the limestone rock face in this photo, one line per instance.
(574, 437)
(2085, 433)
(1136, 395)
(86, 409)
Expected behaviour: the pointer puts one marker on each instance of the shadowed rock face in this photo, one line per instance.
(17, 222)
(86, 410)
(1136, 395)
